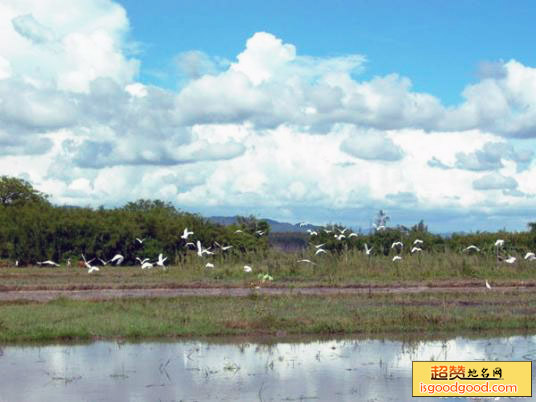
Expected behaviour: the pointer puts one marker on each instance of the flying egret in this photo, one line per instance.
(397, 258)
(142, 261)
(397, 244)
(342, 230)
(307, 261)
(185, 234)
(190, 244)
(339, 237)
(140, 240)
(118, 259)
(209, 265)
(161, 260)
(223, 248)
(472, 247)
(327, 231)
(312, 232)
(201, 250)
(499, 243)
(238, 231)
(247, 268)
(301, 224)
(259, 232)
(367, 249)
(320, 250)
(317, 246)
(379, 228)
(416, 250)
(92, 269)
(48, 262)
(417, 241)
(530, 255)
(488, 286)
(87, 263)
(352, 235)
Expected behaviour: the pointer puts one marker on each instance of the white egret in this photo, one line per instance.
(320, 250)
(48, 262)
(142, 261)
(118, 259)
(499, 243)
(190, 244)
(342, 230)
(488, 286)
(247, 268)
(87, 263)
(103, 262)
(140, 240)
(339, 237)
(379, 228)
(185, 234)
(397, 244)
(416, 250)
(367, 249)
(352, 235)
(472, 247)
(68, 263)
(307, 261)
(417, 241)
(397, 258)
(317, 246)
(312, 232)
(327, 231)
(161, 260)
(238, 231)
(92, 269)
(259, 232)
(510, 260)
(147, 265)
(201, 250)
(530, 256)
(209, 265)
(223, 248)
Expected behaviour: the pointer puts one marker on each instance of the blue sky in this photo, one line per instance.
(439, 45)
(296, 111)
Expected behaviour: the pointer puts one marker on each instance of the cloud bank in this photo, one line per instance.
(271, 131)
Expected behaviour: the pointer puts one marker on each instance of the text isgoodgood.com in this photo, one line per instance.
(467, 388)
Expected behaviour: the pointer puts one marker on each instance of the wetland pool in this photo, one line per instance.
(236, 370)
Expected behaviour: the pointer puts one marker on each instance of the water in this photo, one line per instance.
(332, 370)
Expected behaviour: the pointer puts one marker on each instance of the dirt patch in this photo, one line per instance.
(104, 294)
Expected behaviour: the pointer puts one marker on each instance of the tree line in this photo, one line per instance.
(33, 229)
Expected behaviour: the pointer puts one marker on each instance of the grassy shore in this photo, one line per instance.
(348, 269)
(440, 313)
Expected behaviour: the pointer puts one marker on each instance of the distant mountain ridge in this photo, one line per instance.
(275, 226)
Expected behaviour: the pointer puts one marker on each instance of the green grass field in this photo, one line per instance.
(399, 314)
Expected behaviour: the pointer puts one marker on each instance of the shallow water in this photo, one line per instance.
(332, 370)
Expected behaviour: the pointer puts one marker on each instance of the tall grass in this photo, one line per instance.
(348, 268)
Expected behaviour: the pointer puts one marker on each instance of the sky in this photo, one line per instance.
(323, 113)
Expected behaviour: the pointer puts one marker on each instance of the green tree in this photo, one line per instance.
(14, 191)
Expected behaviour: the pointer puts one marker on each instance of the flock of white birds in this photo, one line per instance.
(338, 233)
